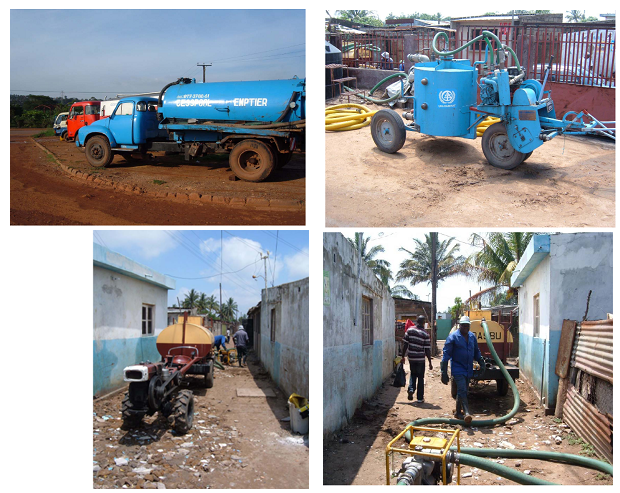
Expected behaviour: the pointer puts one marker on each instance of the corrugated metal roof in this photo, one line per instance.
(594, 427)
(593, 349)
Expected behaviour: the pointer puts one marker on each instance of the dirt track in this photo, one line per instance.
(357, 454)
(236, 442)
(447, 182)
(42, 194)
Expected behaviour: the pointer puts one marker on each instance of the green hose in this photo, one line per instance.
(500, 470)
(375, 100)
(218, 365)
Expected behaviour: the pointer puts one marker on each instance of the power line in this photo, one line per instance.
(287, 243)
(256, 53)
(215, 275)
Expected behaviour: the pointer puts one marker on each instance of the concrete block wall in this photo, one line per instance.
(287, 357)
(352, 372)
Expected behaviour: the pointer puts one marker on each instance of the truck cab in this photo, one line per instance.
(60, 124)
(82, 113)
(131, 126)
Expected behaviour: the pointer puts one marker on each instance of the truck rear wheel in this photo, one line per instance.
(502, 387)
(130, 420)
(98, 152)
(183, 411)
(497, 148)
(252, 160)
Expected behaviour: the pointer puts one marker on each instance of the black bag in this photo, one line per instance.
(400, 380)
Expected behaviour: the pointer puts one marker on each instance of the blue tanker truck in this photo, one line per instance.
(258, 123)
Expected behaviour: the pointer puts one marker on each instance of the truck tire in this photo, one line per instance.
(130, 420)
(209, 376)
(527, 156)
(453, 388)
(98, 152)
(502, 387)
(388, 131)
(183, 411)
(252, 160)
(283, 159)
(63, 135)
(497, 148)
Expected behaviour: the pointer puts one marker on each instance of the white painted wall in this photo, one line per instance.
(352, 372)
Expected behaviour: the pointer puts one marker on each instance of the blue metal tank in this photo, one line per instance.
(443, 92)
(248, 101)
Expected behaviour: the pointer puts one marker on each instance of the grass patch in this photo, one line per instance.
(50, 158)
(46, 133)
(586, 448)
(601, 476)
(159, 182)
(557, 420)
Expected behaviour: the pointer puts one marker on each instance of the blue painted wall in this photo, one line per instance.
(531, 362)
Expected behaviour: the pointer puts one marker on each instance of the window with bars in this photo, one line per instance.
(367, 335)
(147, 319)
(537, 315)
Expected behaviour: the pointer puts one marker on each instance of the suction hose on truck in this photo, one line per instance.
(469, 456)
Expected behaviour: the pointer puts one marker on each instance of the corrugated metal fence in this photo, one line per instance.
(591, 373)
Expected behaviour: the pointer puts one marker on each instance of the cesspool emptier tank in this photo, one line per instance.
(444, 90)
(248, 101)
(196, 336)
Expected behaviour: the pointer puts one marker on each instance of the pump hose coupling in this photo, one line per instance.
(408, 115)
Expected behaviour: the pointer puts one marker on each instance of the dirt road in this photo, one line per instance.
(447, 182)
(357, 454)
(42, 194)
(236, 442)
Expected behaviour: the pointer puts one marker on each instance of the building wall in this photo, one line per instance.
(352, 371)
(286, 358)
(117, 323)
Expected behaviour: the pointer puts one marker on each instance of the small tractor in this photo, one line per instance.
(445, 104)
(186, 349)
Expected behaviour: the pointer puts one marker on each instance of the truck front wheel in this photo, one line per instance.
(252, 160)
(502, 387)
(98, 152)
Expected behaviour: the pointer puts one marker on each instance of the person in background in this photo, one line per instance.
(417, 344)
(387, 63)
(241, 340)
(401, 66)
(228, 334)
(461, 347)
(218, 342)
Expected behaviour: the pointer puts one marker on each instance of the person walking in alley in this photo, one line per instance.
(461, 347)
(241, 342)
(417, 344)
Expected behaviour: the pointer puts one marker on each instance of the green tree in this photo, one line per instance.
(575, 15)
(191, 299)
(457, 309)
(229, 308)
(368, 17)
(495, 262)
(418, 267)
(380, 267)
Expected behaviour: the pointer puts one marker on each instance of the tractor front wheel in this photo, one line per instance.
(388, 131)
(183, 411)
(130, 420)
(497, 148)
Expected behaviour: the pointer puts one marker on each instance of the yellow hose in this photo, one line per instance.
(341, 117)
(484, 124)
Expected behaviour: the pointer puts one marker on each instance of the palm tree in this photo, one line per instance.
(575, 15)
(438, 17)
(191, 298)
(212, 305)
(418, 267)
(379, 266)
(496, 261)
(229, 308)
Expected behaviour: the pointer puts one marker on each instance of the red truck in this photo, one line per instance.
(82, 113)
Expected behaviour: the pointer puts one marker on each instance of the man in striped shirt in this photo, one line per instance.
(417, 344)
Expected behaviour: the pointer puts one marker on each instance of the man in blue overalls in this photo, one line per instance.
(462, 348)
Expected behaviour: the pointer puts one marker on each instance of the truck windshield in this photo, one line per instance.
(92, 109)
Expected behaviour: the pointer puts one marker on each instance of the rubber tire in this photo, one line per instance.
(129, 420)
(209, 377)
(527, 156)
(502, 387)
(392, 122)
(183, 411)
(283, 158)
(453, 388)
(102, 144)
(249, 149)
(498, 131)
(63, 135)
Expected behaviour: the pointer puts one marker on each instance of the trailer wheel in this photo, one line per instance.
(527, 156)
(502, 387)
(183, 411)
(209, 376)
(453, 388)
(283, 159)
(388, 131)
(497, 148)
(252, 160)
(98, 152)
(130, 420)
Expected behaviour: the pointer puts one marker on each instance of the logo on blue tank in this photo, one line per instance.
(447, 97)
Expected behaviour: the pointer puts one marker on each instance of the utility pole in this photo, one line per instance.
(203, 65)
(434, 291)
(221, 308)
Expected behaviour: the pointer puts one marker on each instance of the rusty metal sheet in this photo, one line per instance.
(593, 349)
(591, 425)
(567, 336)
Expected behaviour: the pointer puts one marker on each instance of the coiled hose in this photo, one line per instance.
(484, 124)
(468, 456)
(375, 100)
(343, 117)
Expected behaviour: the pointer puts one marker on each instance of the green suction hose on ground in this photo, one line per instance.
(218, 365)
(375, 100)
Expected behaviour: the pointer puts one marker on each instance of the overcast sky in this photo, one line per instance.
(105, 52)
(447, 290)
(186, 255)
